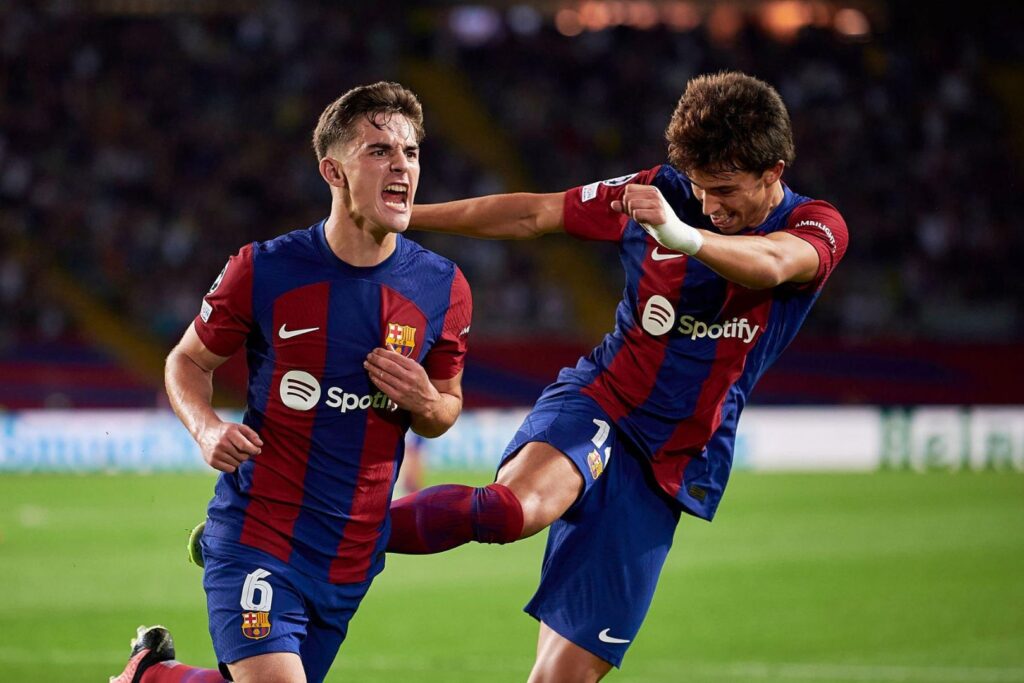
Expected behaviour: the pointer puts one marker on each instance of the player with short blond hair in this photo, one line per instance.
(353, 335)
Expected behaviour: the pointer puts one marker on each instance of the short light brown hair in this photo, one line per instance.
(337, 123)
(729, 121)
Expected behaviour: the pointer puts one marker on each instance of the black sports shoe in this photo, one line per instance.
(149, 646)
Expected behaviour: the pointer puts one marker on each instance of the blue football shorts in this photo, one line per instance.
(258, 604)
(604, 555)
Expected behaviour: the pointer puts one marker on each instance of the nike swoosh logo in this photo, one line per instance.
(659, 256)
(605, 638)
(285, 333)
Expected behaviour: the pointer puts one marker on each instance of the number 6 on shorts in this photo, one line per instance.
(254, 584)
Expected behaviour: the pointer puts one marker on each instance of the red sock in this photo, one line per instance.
(443, 517)
(175, 672)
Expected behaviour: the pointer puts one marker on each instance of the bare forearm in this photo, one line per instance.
(190, 391)
(438, 417)
(504, 216)
(188, 375)
(752, 261)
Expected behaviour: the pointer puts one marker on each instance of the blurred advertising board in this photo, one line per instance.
(770, 438)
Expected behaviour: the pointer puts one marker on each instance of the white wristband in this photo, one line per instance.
(674, 234)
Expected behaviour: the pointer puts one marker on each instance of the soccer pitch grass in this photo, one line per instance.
(814, 577)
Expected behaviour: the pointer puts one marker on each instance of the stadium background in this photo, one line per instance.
(143, 141)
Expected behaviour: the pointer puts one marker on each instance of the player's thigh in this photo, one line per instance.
(255, 603)
(320, 649)
(603, 559)
(273, 667)
(332, 608)
(544, 480)
(561, 661)
(556, 456)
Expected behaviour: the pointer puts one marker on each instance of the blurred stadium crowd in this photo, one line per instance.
(138, 149)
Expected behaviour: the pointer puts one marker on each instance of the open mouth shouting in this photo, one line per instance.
(723, 220)
(396, 196)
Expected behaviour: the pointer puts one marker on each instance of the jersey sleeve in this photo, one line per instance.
(226, 317)
(820, 224)
(588, 212)
(447, 356)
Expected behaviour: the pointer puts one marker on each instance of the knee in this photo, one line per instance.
(274, 667)
(546, 483)
(540, 511)
(555, 670)
(559, 660)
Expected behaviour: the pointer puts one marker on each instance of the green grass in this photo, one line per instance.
(824, 578)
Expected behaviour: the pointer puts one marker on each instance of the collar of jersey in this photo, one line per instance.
(320, 238)
(787, 198)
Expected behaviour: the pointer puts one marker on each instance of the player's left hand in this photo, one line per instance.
(402, 379)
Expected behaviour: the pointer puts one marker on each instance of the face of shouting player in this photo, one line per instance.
(737, 200)
(381, 169)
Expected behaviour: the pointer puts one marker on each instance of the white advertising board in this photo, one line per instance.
(792, 438)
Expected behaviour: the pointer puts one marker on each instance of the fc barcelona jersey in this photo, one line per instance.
(689, 345)
(317, 495)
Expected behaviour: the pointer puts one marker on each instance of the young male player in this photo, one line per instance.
(643, 428)
(353, 334)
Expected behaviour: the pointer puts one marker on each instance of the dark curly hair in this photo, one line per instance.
(337, 122)
(729, 121)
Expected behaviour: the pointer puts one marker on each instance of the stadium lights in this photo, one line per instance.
(567, 22)
(852, 23)
(680, 16)
(784, 19)
(474, 25)
(781, 19)
(724, 24)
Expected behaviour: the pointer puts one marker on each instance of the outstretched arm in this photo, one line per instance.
(498, 217)
(754, 261)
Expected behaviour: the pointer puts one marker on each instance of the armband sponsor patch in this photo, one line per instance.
(820, 226)
(205, 311)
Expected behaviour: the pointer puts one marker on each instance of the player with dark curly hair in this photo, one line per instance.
(722, 261)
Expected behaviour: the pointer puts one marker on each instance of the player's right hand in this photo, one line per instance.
(227, 445)
(647, 206)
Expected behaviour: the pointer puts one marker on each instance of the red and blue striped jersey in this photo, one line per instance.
(688, 345)
(317, 495)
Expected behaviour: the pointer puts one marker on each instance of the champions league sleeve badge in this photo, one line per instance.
(220, 278)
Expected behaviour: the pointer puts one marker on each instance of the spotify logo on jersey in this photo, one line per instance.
(658, 316)
(299, 390)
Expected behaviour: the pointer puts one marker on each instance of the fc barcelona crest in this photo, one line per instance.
(256, 625)
(401, 338)
(595, 463)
